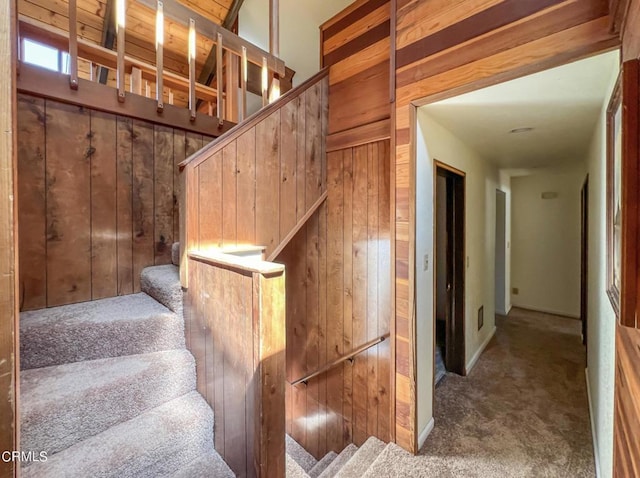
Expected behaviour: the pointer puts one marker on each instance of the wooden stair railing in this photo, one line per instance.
(347, 357)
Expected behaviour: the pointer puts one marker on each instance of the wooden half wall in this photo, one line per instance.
(98, 200)
(444, 48)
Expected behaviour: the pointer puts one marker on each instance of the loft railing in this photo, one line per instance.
(226, 101)
(347, 357)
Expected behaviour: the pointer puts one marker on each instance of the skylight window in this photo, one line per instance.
(45, 56)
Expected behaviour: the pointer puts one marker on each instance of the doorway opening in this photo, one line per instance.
(449, 269)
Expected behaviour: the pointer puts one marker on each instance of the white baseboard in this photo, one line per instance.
(547, 311)
(425, 433)
(593, 426)
(476, 356)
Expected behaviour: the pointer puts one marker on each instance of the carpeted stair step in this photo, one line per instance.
(322, 465)
(175, 253)
(64, 404)
(293, 469)
(159, 442)
(391, 454)
(127, 325)
(163, 284)
(209, 465)
(362, 459)
(299, 454)
(335, 466)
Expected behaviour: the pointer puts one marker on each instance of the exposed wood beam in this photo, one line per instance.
(108, 36)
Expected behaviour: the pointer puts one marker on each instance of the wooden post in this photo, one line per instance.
(265, 82)
(274, 27)
(192, 68)
(9, 349)
(231, 95)
(121, 13)
(243, 84)
(159, 55)
(73, 45)
(220, 80)
(170, 97)
(136, 81)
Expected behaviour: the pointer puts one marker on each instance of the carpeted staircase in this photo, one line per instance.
(108, 388)
(352, 462)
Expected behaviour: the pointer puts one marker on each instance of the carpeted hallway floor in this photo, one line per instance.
(521, 412)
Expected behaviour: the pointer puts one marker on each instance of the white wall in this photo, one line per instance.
(601, 318)
(300, 22)
(436, 142)
(505, 186)
(545, 239)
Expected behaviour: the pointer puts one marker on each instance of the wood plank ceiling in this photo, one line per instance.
(140, 27)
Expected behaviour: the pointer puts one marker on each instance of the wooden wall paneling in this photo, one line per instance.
(68, 199)
(239, 340)
(373, 310)
(210, 192)
(267, 180)
(323, 411)
(194, 142)
(313, 142)
(360, 61)
(104, 250)
(229, 194)
(288, 166)
(384, 291)
(124, 201)
(301, 156)
(347, 171)
(9, 325)
(163, 193)
(631, 30)
(311, 317)
(359, 291)
(179, 155)
(348, 98)
(335, 297)
(143, 199)
(246, 184)
(32, 220)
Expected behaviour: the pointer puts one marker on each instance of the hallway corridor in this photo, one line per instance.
(521, 412)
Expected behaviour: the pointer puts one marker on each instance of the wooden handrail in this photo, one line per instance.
(231, 135)
(235, 262)
(339, 360)
(303, 220)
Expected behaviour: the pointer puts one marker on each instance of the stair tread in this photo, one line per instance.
(362, 459)
(158, 442)
(294, 469)
(163, 284)
(301, 456)
(209, 465)
(64, 404)
(335, 466)
(322, 465)
(125, 325)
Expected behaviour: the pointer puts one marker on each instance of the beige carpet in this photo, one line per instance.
(521, 412)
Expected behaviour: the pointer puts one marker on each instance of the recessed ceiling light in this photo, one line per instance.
(521, 130)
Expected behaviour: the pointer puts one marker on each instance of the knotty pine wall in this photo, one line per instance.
(97, 195)
(443, 48)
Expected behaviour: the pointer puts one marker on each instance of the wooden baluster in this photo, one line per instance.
(210, 108)
(147, 89)
(192, 68)
(159, 55)
(219, 82)
(265, 82)
(121, 13)
(136, 80)
(231, 95)
(73, 45)
(91, 72)
(243, 85)
(170, 97)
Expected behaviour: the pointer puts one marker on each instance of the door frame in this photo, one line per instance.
(458, 323)
(503, 269)
(584, 258)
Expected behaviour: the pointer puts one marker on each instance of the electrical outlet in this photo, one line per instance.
(425, 262)
(480, 317)
(515, 291)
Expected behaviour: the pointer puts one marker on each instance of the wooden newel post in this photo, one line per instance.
(121, 13)
(73, 45)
